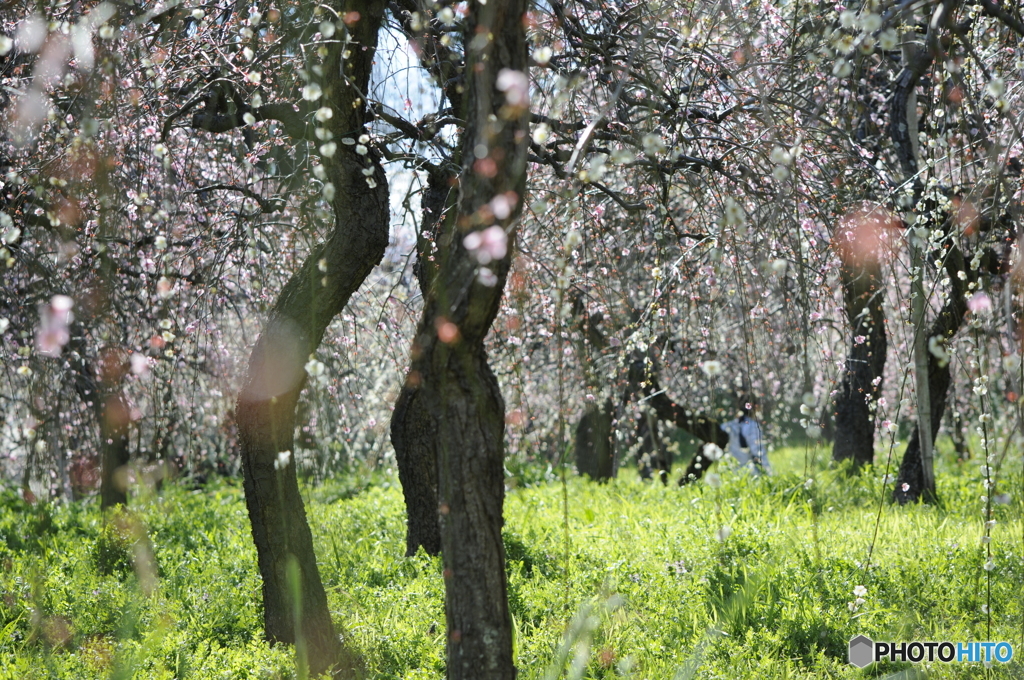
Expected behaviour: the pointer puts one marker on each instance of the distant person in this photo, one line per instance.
(746, 443)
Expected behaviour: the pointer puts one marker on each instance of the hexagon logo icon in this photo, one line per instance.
(862, 651)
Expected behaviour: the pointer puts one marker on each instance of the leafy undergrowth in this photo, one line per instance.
(753, 578)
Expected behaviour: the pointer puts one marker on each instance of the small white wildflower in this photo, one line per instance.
(712, 451)
(724, 533)
(860, 591)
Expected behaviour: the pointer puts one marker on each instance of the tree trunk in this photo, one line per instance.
(865, 364)
(413, 434)
(643, 377)
(114, 422)
(294, 600)
(652, 453)
(594, 442)
(102, 393)
(450, 394)
(911, 483)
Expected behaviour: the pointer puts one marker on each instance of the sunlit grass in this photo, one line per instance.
(646, 587)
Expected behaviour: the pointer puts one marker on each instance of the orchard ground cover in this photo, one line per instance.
(734, 577)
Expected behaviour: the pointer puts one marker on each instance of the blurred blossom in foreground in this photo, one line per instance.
(54, 318)
(865, 236)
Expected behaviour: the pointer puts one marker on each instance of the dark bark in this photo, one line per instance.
(413, 433)
(865, 364)
(114, 421)
(594, 442)
(910, 482)
(293, 330)
(450, 392)
(653, 454)
(102, 394)
(643, 378)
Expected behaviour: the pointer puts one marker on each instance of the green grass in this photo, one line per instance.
(638, 584)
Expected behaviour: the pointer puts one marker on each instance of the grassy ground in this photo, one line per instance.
(749, 579)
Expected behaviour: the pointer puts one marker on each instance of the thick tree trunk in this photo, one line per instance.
(594, 442)
(294, 600)
(450, 392)
(911, 483)
(865, 364)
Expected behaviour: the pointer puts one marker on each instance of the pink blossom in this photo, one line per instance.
(979, 302)
(489, 244)
(53, 333)
(515, 85)
(140, 364)
(859, 340)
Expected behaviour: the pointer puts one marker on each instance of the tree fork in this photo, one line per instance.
(451, 392)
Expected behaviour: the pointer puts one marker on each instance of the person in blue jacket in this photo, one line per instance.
(746, 442)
